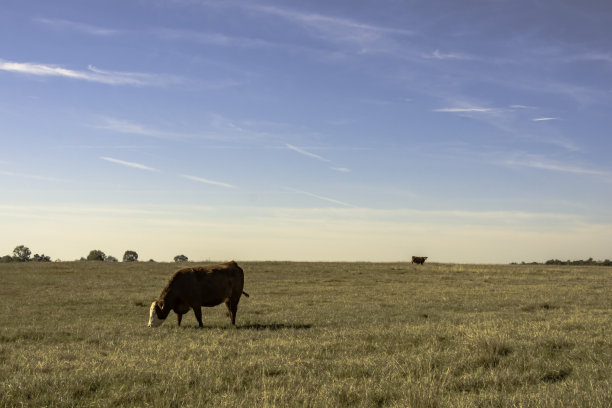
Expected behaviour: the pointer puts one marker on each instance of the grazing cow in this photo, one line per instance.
(192, 288)
(420, 260)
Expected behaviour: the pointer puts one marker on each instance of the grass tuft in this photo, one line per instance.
(556, 375)
(491, 351)
(533, 307)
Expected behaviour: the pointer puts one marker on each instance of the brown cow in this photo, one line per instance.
(192, 288)
(419, 260)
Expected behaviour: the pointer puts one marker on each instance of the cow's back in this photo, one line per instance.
(216, 284)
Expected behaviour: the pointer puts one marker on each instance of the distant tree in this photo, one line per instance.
(180, 258)
(41, 258)
(21, 253)
(579, 262)
(6, 259)
(96, 255)
(111, 258)
(152, 260)
(130, 256)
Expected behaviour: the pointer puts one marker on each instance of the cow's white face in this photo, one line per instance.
(154, 321)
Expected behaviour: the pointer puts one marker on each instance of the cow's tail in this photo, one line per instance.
(245, 294)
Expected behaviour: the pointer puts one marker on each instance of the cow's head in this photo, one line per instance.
(156, 313)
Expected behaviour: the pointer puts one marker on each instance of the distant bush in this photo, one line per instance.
(589, 261)
(130, 256)
(111, 258)
(96, 255)
(180, 258)
(579, 262)
(41, 258)
(21, 253)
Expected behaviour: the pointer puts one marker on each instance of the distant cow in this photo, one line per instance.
(192, 288)
(419, 259)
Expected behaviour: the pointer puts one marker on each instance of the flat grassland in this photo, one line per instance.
(311, 334)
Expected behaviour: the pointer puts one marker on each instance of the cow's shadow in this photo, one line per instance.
(274, 326)
(249, 326)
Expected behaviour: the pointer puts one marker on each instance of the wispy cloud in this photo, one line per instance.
(542, 164)
(92, 74)
(77, 26)
(330, 200)
(306, 153)
(448, 56)
(133, 128)
(316, 157)
(362, 38)
(107, 147)
(221, 129)
(211, 38)
(28, 176)
(544, 119)
(590, 56)
(128, 164)
(207, 181)
(324, 22)
(125, 126)
(185, 214)
(463, 110)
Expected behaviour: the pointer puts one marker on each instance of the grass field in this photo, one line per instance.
(311, 334)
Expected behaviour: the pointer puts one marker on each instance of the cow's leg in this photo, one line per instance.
(198, 314)
(234, 311)
(179, 317)
(230, 313)
(232, 306)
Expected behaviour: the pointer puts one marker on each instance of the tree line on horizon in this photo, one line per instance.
(579, 262)
(21, 253)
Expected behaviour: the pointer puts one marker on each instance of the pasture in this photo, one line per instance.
(312, 335)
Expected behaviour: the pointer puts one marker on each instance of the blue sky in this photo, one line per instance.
(473, 131)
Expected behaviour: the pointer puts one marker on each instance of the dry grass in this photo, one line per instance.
(311, 334)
